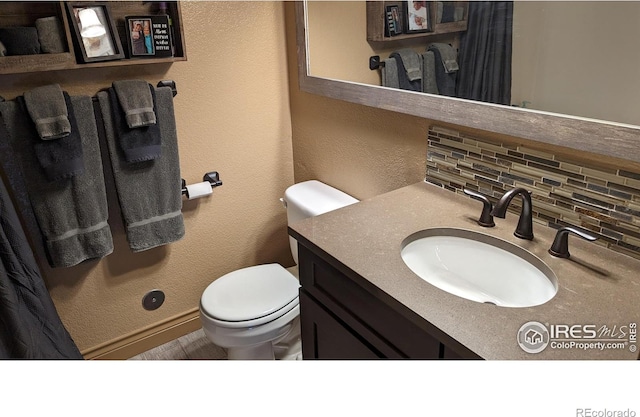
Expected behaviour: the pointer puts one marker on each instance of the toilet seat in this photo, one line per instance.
(250, 296)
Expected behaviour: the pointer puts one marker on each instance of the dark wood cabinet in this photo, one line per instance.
(327, 337)
(342, 319)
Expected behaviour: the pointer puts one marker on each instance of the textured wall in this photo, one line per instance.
(360, 150)
(232, 113)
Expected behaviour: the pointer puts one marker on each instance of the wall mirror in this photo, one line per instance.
(574, 72)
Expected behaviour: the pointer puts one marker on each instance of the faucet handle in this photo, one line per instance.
(560, 246)
(486, 219)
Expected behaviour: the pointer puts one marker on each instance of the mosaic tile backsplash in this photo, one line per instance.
(605, 202)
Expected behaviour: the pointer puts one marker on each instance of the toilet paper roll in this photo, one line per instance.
(198, 190)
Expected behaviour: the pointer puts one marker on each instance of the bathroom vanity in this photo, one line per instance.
(342, 320)
(359, 300)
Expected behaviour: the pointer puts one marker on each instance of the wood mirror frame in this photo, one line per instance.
(589, 135)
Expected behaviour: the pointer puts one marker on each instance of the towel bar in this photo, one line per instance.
(375, 63)
(164, 83)
(168, 83)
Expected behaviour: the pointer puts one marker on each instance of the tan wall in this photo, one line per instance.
(360, 150)
(339, 50)
(232, 113)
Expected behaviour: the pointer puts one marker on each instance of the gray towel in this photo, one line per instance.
(403, 75)
(59, 158)
(50, 35)
(446, 80)
(448, 56)
(412, 63)
(72, 213)
(20, 40)
(3, 50)
(138, 144)
(390, 74)
(136, 102)
(48, 111)
(429, 83)
(149, 192)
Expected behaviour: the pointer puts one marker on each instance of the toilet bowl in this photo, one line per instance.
(253, 309)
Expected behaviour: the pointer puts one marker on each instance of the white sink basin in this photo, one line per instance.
(479, 267)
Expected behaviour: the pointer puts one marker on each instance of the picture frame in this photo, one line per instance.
(148, 36)
(394, 22)
(417, 16)
(94, 32)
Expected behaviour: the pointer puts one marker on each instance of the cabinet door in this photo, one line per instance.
(325, 337)
(377, 322)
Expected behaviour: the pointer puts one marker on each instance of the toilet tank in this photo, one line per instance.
(312, 198)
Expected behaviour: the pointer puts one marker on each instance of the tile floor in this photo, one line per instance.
(196, 345)
(191, 346)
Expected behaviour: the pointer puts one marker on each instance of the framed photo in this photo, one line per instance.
(94, 32)
(148, 36)
(417, 16)
(393, 24)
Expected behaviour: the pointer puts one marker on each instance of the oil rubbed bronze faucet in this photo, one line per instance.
(485, 220)
(524, 230)
(560, 246)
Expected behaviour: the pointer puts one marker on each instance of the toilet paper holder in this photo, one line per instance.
(212, 178)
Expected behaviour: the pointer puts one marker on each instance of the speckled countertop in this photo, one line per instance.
(596, 286)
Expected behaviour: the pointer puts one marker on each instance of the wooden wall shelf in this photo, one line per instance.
(25, 13)
(376, 20)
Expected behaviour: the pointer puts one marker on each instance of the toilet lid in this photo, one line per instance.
(249, 293)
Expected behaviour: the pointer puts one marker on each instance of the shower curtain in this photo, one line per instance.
(485, 53)
(30, 327)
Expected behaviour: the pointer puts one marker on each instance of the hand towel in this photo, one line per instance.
(149, 192)
(135, 100)
(448, 13)
(59, 158)
(20, 40)
(138, 144)
(3, 49)
(72, 213)
(50, 35)
(448, 56)
(48, 110)
(429, 82)
(412, 64)
(446, 81)
(403, 78)
(389, 73)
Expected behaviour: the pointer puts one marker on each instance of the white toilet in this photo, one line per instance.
(250, 310)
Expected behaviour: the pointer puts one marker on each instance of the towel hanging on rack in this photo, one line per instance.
(71, 213)
(149, 192)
